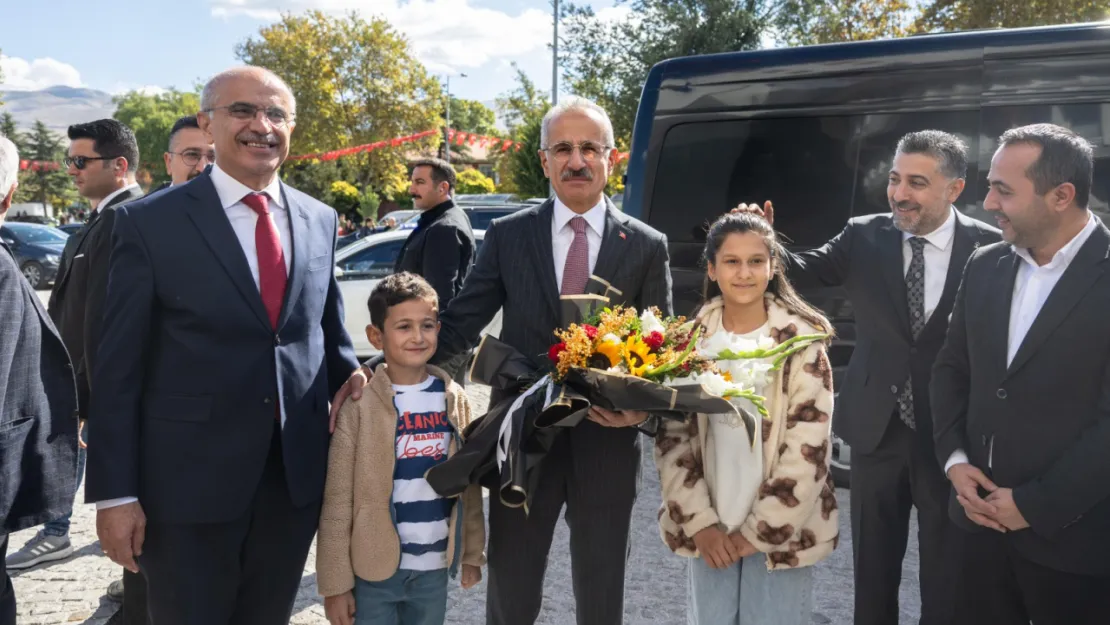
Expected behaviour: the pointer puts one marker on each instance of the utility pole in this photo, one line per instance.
(447, 128)
(555, 59)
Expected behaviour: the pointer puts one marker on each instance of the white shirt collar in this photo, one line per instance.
(231, 191)
(1066, 254)
(595, 217)
(113, 194)
(942, 236)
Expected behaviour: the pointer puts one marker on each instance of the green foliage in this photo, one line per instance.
(48, 187)
(806, 22)
(472, 181)
(523, 109)
(474, 117)
(356, 81)
(342, 196)
(9, 129)
(525, 168)
(368, 204)
(151, 117)
(951, 15)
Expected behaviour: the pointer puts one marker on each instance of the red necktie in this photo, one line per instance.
(271, 259)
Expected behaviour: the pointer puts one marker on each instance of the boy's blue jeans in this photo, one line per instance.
(60, 525)
(407, 598)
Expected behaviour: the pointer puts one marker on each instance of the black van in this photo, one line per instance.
(814, 129)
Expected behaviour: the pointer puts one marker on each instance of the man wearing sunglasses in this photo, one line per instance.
(189, 152)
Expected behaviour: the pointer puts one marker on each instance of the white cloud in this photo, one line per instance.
(23, 75)
(446, 35)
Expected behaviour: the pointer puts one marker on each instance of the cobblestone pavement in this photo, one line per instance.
(72, 591)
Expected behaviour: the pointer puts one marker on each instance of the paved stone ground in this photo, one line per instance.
(72, 591)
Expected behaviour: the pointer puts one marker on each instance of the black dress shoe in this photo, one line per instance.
(116, 619)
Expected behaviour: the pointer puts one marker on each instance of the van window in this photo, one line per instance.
(879, 136)
(804, 165)
(1090, 121)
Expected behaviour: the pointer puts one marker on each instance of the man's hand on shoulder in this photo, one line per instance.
(767, 212)
(122, 531)
(353, 389)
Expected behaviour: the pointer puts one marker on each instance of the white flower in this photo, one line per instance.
(650, 323)
(611, 338)
(712, 346)
(713, 383)
(766, 342)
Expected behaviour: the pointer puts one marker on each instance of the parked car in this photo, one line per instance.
(37, 250)
(71, 228)
(480, 216)
(360, 266)
(814, 128)
(486, 199)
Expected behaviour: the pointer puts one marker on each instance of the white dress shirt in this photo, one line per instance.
(113, 194)
(243, 220)
(938, 255)
(1032, 286)
(562, 234)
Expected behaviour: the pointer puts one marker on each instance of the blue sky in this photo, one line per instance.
(128, 44)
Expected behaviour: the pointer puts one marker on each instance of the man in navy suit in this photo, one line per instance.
(222, 343)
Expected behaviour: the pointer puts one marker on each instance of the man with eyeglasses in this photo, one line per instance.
(528, 261)
(189, 152)
(223, 340)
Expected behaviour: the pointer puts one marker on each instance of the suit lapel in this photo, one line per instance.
(1081, 274)
(208, 215)
(298, 227)
(614, 242)
(963, 244)
(543, 254)
(891, 261)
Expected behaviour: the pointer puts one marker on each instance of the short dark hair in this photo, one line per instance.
(947, 149)
(442, 171)
(189, 121)
(111, 139)
(1065, 157)
(398, 289)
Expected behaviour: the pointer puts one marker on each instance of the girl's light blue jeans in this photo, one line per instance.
(747, 593)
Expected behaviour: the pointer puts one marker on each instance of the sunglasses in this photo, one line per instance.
(81, 162)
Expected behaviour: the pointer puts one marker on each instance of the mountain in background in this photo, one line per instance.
(58, 107)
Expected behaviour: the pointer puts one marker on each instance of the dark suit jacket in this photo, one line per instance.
(1047, 413)
(866, 259)
(77, 300)
(441, 249)
(38, 408)
(189, 368)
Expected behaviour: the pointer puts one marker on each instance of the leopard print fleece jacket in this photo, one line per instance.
(794, 519)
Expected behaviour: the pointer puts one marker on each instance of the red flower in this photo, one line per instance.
(590, 331)
(553, 353)
(681, 347)
(654, 340)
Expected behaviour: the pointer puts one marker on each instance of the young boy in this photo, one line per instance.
(387, 541)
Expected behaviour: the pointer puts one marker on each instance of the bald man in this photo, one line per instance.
(222, 342)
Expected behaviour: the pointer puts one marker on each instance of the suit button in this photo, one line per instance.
(266, 401)
(277, 340)
(1001, 394)
(894, 389)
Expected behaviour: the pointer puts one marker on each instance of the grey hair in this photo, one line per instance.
(9, 166)
(1065, 157)
(208, 95)
(581, 105)
(947, 149)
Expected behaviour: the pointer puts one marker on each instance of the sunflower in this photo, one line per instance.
(638, 355)
(610, 350)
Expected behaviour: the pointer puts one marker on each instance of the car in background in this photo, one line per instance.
(71, 228)
(480, 216)
(358, 269)
(401, 216)
(483, 199)
(37, 250)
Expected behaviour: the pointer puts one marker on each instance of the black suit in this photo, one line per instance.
(1047, 417)
(593, 470)
(893, 467)
(38, 417)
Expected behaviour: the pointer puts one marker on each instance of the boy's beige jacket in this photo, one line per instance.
(357, 535)
(794, 518)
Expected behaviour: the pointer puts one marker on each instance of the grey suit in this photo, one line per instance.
(38, 416)
(593, 470)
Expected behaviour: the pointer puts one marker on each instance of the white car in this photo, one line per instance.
(360, 266)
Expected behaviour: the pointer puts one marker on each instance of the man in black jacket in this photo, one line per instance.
(441, 248)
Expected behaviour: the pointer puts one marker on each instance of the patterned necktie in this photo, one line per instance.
(272, 274)
(915, 297)
(576, 270)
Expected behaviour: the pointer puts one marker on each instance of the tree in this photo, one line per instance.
(151, 117)
(474, 117)
(807, 22)
(356, 81)
(9, 129)
(951, 15)
(473, 182)
(48, 186)
(525, 168)
(608, 61)
(523, 109)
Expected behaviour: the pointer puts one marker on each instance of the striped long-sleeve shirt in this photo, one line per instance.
(423, 434)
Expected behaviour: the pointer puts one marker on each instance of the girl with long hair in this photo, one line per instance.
(753, 518)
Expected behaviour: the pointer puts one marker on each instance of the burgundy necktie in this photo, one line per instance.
(576, 270)
(271, 259)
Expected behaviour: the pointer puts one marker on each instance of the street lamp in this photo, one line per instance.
(447, 129)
